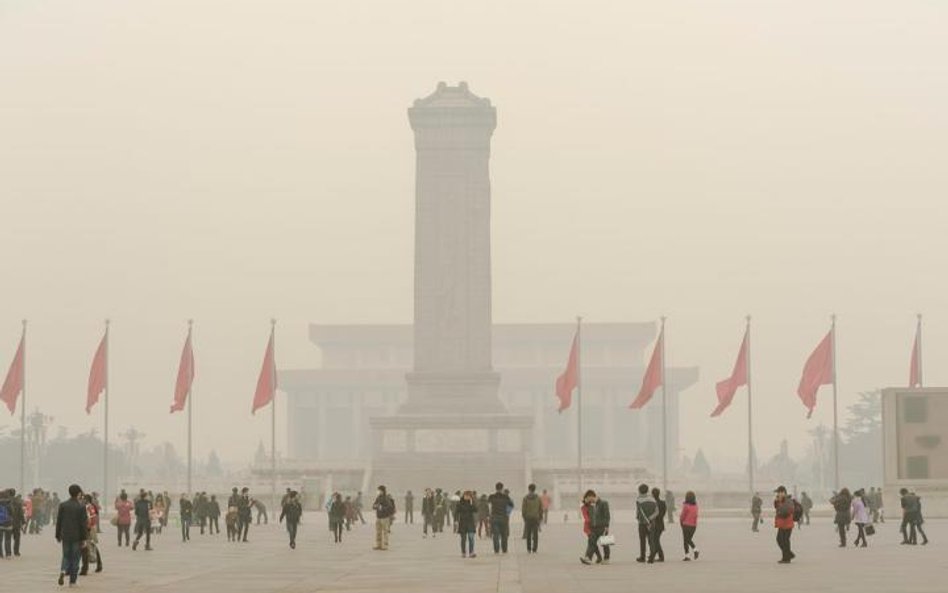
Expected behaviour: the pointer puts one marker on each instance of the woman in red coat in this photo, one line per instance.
(689, 524)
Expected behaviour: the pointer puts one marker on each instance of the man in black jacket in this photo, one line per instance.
(72, 531)
(292, 511)
(384, 507)
(646, 511)
(500, 507)
(142, 520)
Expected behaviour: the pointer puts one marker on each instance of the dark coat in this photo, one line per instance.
(659, 524)
(292, 510)
(428, 506)
(72, 523)
(466, 516)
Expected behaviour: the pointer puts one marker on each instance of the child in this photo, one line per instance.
(689, 523)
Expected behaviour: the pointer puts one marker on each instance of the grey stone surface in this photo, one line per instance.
(732, 560)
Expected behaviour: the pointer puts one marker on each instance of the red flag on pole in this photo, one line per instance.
(13, 384)
(728, 387)
(568, 381)
(817, 371)
(653, 375)
(182, 386)
(267, 382)
(915, 373)
(98, 374)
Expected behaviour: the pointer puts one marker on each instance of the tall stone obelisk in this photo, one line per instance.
(452, 342)
(452, 431)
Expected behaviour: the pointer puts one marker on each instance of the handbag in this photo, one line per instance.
(114, 521)
(870, 529)
(607, 540)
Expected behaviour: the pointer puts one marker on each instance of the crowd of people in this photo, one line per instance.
(469, 515)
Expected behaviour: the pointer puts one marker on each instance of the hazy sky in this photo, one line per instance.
(235, 160)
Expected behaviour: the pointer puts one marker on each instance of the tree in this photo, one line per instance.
(214, 468)
(701, 467)
(865, 416)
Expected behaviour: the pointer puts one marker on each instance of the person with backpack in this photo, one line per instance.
(531, 510)
(143, 510)
(384, 507)
(6, 523)
(646, 511)
(91, 551)
(784, 510)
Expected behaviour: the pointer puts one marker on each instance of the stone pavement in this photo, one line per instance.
(732, 559)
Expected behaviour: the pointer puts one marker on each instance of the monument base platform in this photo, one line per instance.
(451, 451)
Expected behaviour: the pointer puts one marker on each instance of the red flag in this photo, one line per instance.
(817, 371)
(728, 387)
(653, 375)
(182, 386)
(569, 380)
(13, 384)
(267, 382)
(915, 373)
(98, 374)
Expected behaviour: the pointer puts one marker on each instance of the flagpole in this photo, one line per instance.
(273, 459)
(835, 406)
(750, 414)
(105, 466)
(190, 455)
(664, 415)
(579, 397)
(23, 416)
(918, 346)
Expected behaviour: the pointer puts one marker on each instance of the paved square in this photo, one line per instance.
(732, 559)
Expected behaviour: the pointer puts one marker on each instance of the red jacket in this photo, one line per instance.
(785, 509)
(587, 528)
(689, 515)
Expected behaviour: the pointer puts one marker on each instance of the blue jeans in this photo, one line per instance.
(70, 564)
(500, 530)
(467, 542)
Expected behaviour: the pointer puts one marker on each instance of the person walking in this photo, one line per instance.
(143, 510)
(337, 516)
(670, 504)
(123, 517)
(500, 507)
(757, 505)
(186, 512)
(7, 519)
(596, 521)
(72, 530)
(409, 508)
(531, 509)
(842, 503)
(689, 524)
(646, 510)
(357, 508)
(911, 506)
(261, 512)
(658, 528)
(91, 550)
(428, 512)
(158, 511)
(860, 516)
(483, 516)
(784, 510)
(384, 508)
(213, 516)
(466, 519)
(919, 520)
(806, 503)
(244, 514)
(292, 512)
(546, 501)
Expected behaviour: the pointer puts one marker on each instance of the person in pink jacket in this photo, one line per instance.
(689, 523)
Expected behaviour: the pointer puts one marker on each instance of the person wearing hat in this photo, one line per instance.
(783, 521)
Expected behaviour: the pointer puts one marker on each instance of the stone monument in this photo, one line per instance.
(452, 431)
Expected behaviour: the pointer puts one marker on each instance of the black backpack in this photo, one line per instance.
(797, 511)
